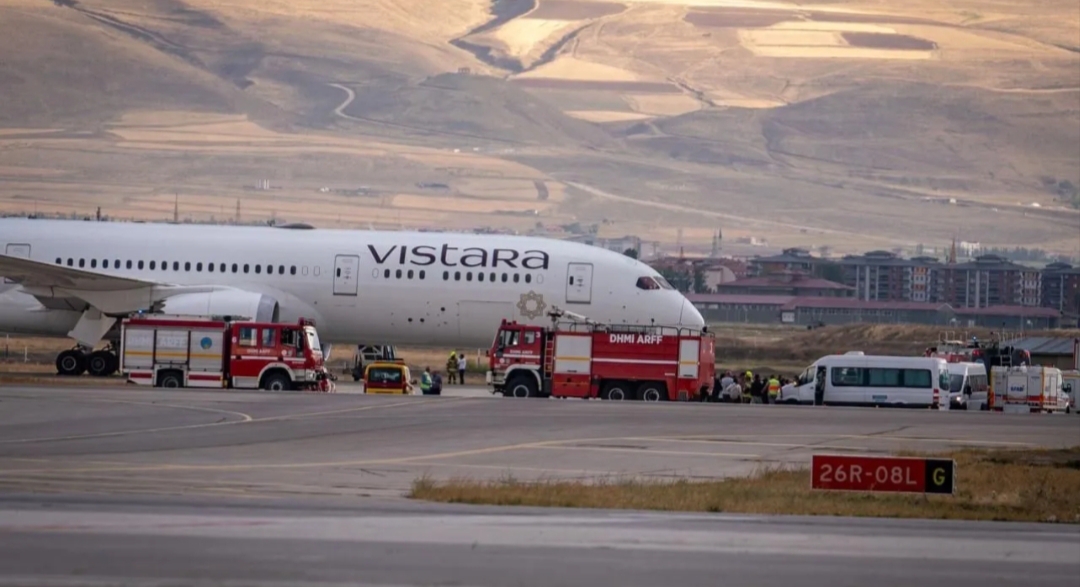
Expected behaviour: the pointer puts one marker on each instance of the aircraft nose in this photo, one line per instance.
(690, 317)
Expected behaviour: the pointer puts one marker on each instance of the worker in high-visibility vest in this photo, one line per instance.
(425, 382)
(774, 389)
(748, 384)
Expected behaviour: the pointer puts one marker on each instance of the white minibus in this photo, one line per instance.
(868, 380)
(968, 386)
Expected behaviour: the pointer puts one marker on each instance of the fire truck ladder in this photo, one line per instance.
(549, 364)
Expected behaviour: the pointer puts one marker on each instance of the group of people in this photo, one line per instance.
(431, 383)
(747, 388)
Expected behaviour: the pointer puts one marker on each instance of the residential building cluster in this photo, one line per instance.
(880, 286)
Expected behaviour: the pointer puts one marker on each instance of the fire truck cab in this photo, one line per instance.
(583, 359)
(180, 351)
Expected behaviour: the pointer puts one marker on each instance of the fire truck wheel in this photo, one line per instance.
(277, 382)
(71, 363)
(652, 392)
(171, 380)
(100, 364)
(521, 387)
(616, 391)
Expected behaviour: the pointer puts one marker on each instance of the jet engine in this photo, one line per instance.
(236, 303)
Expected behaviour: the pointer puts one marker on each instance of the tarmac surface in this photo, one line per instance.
(122, 485)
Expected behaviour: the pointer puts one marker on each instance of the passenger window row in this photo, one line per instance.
(185, 266)
(491, 277)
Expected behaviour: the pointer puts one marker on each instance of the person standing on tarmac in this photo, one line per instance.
(425, 381)
(757, 390)
(436, 383)
(462, 362)
(774, 389)
(451, 368)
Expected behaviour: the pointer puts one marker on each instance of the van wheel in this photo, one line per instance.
(277, 382)
(616, 391)
(171, 380)
(521, 387)
(652, 392)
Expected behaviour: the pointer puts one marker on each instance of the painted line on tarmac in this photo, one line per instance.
(725, 439)
(646, 451)
(715, 441)
(245, 419)
(355, 463)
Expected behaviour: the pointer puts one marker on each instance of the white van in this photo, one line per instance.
(968, 386)
(1070, 384)
(868, 380)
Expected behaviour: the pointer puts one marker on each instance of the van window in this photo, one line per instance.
(956, 383)
(390, 375)
(921, 378)
(885, 377)
(847, 376)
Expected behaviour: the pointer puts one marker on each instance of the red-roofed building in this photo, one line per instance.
(793, 259)
(788, 283)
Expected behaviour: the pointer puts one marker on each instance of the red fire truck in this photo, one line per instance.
(181, 351)
(584, 359)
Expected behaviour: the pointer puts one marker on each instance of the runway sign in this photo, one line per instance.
(883, 474)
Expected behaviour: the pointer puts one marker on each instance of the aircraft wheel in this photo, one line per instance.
(71, 363)
(101, 364)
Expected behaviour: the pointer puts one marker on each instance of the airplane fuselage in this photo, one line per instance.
(374, 286)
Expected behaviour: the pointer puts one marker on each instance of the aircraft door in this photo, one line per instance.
(346, 268)
(19, 250)
(579, 283)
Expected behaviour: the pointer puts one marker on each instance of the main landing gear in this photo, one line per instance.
(79, 360)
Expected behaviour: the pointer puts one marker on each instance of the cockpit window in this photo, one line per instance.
(663, 282)
(647, 283)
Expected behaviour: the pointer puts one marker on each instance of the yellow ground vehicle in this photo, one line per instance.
(388, 377)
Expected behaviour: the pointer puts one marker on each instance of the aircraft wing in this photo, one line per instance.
(59, 287)
(37, 275)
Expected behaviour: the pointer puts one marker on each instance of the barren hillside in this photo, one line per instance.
(853, 124)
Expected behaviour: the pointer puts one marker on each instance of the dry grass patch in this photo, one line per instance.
(1033, 486)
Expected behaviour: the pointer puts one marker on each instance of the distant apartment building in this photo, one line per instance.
(790, 260)
(788, 283)
(989, 280)
(617, 244)
(1061, 290)
(882, 276)
(777, 309)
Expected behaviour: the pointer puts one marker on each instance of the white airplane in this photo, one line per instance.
(77, 278)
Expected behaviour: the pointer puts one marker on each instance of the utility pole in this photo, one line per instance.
(237, 218)
(176, 208)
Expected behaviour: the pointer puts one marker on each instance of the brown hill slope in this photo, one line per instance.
(852, 123)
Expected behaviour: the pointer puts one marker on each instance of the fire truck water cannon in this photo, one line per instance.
(585, 359)
(214, 352)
